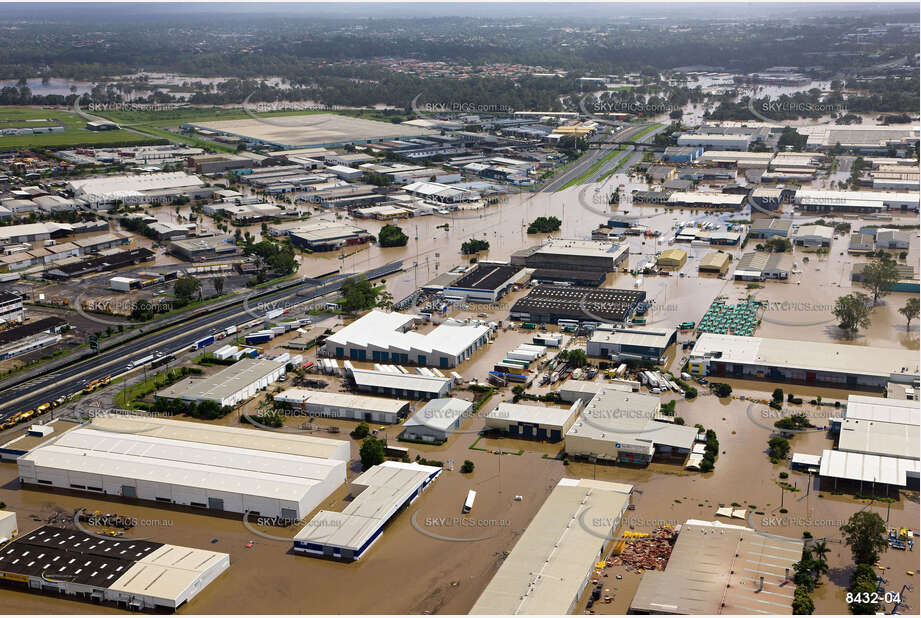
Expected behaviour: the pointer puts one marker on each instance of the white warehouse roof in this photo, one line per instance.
(883, 409)
(132, 184)
(341, 400)
(384, 331)
(549, 416)
(387, 487)
(231, 437)
(181, 463)
(869, 468)
(555, 555)
(439, 414)
(806, 355)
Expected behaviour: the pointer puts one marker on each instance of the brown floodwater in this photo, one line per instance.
(411, 569)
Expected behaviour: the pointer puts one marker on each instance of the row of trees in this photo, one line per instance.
(853, 311)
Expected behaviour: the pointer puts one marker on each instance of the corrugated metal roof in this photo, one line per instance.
(715, 568)
(553, 558)
(869, 468)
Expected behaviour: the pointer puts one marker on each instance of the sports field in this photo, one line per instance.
(74, 133)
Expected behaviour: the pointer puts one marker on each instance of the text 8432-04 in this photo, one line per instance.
(873, 597)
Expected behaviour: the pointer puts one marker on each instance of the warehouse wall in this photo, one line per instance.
(182, 495)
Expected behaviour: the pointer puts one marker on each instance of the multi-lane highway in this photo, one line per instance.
(70, 379)
(607, 143)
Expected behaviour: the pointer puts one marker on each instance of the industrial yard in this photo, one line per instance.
(441, 330)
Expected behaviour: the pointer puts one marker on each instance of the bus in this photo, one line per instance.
(468, 503)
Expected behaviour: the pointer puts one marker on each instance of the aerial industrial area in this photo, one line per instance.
(307, 311)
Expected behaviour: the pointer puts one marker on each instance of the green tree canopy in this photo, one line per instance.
(185, 289)
(392, 236)
(879, 276)
(371, 453)
(358, 294)
(852, 311)
(865, 534)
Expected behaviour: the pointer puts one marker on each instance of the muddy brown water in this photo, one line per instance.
(411, 570)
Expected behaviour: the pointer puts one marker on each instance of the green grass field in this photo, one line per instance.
(175, 117)
(74, 133)
(149, 126)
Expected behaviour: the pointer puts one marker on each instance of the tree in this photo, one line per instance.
(778, 245)
(361, 432)
(371, 453)
(385, 300)
(219, 285)
(185, 289)
(777, 395)
(910, 310)
(392, 236)
(852, 311)
(862, 590)
(879, 276)
(278, 257)
(577, 358)
(865, 534)
(474, 245)
(778, 447)
(798, 420)
(802, 602)
(722, 389)
(820, 563)
(802, 571)
(544, 225)
(467, 467)
(358, 294)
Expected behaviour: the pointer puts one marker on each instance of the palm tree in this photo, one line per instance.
(819, 563)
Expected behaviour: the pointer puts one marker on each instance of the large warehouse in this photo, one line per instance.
(379, 336)
(700, 577)
(408, 385)
(550, 565)
(533, 422)
(804, 362)
(344, 405)
(877, 444)
(436, 420)
(716, 141)
(576, 255)
(631, 343)
(715, 262)
(820, 200)
(229, 386)
(691, 199)
(865, 139)
(310, 131)
(550, 303)
(139, 188)
(381, 492)
(137, 574)
(622, 427)
(210, 467)
(759, 265)
(486, 283)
